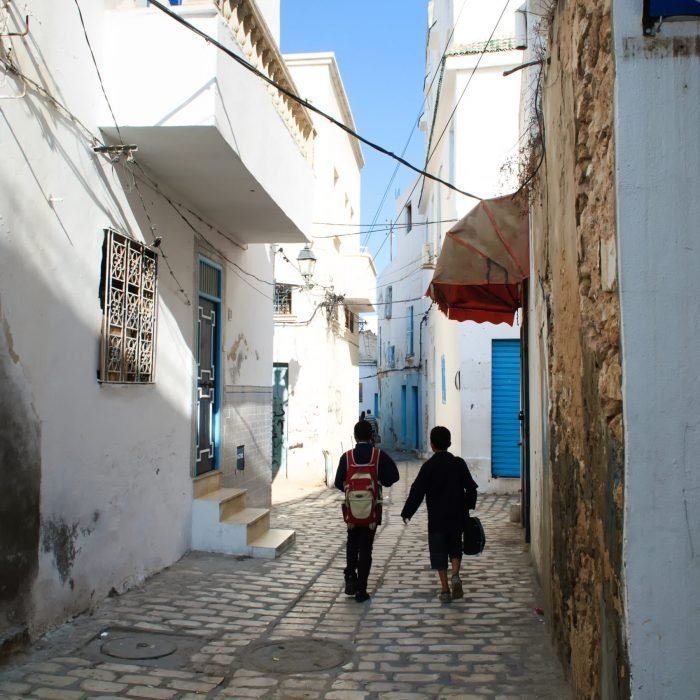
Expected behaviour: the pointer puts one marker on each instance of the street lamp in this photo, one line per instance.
(307, 264)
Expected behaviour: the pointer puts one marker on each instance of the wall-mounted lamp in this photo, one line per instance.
(307, 265)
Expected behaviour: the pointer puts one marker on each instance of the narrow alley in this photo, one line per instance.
(233, 627)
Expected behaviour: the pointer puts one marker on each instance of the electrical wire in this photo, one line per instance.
(152, 227)
(378, 230)
(431, 153)
(305, 103)
(415, 124)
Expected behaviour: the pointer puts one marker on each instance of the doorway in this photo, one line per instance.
(208, 391)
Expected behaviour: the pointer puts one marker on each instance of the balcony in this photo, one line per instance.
(236, 150)
(357, 281)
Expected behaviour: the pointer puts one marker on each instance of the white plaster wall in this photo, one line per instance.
(657, 112)
(116, 461)
(200, 85)
(408, 281)
(323, 358)
(476, 395)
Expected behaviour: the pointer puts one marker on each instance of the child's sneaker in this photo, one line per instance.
(457, 591)
(445, 597)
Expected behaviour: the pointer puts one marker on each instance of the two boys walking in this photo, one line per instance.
(449, 490)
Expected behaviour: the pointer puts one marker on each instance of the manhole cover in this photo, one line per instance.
(143, 646)
(297, 656)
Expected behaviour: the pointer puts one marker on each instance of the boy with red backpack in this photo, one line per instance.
(361, 474)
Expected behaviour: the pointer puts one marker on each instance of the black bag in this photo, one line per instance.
(474, 539)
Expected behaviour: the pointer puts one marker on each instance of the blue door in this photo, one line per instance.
(208, 342)
(280, 405)
(505, 408)
(404, 415)
(415, 442)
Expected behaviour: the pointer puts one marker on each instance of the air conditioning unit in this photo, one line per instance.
(428, 259)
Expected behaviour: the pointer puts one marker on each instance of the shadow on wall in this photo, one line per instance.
(20, 458)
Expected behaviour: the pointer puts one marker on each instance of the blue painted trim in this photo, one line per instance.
(216, 412)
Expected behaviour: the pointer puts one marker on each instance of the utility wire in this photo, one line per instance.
(431, 153)
(415, 124)
(305, 103)
(179, 286)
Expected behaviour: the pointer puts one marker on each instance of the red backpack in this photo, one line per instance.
(362, 491)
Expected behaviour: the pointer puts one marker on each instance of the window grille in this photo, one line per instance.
(283, 299)
(349, 320)
(129, 300)
(409, 332)
(387, 306)
(443, 382)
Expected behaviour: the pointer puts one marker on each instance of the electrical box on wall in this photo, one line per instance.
(656, 11)
(240, 457)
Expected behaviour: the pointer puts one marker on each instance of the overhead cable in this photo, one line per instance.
(305, 103)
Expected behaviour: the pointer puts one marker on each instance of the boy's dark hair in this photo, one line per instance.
(363, 431)
(440, 437)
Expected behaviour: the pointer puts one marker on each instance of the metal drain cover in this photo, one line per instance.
(297, 656)
(139, 647)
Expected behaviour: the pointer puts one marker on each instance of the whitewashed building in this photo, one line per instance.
(136, 293)
(369, 384)
(316, 349)
(434, 371)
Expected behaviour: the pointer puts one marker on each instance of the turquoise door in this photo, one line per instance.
(280, 405)
(505, 408)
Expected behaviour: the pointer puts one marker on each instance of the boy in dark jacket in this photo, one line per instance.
(361, 538)
(448, 488)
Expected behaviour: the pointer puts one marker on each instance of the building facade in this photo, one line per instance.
(136, 301)
(317, 322)
(613, 100)
(433, 371)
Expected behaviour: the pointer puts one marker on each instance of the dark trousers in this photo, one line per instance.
(359, 554)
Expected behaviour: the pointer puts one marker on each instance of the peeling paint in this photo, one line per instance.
(584, 421)
(58, 538)
(20, 455)
(237, 356)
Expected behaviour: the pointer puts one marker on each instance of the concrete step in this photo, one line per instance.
(272, 543)
(206, 483)
(255, 520)
(222, 522)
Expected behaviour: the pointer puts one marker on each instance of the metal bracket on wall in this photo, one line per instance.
(24, 33)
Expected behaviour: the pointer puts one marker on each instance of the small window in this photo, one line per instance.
(349, 320)
(361, 392)
(387, 304)
(283, 299)
(391, 356)
(409, 217)
(129, 302)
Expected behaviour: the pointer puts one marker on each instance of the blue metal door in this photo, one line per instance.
(505, 408)
(415, 441)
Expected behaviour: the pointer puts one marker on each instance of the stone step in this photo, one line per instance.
(272, 543)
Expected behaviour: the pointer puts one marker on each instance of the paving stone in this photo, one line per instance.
(406, 644)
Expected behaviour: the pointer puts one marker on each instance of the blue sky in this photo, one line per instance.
(380, 48)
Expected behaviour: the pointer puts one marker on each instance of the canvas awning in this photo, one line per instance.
(483, 261)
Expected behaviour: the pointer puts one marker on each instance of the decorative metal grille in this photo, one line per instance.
(129, 295)
(283, 299)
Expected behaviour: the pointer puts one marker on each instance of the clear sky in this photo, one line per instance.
(380, 48)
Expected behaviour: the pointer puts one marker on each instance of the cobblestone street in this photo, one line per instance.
(402, 644)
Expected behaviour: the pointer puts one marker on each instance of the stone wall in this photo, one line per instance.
(574, 251)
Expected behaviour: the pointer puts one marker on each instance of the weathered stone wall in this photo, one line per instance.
(575, 269)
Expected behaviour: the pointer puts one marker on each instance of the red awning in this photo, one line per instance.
(484, 259)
